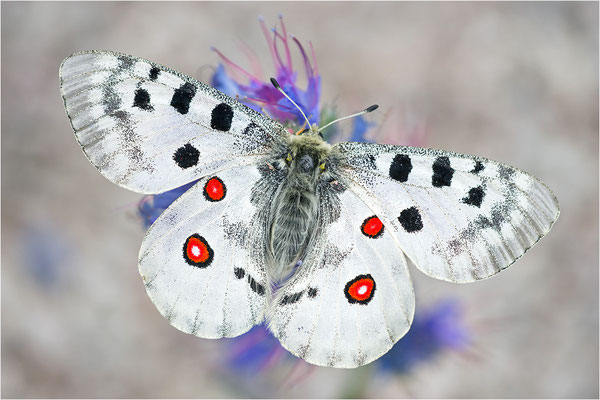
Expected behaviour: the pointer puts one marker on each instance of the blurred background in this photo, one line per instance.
(513, 82)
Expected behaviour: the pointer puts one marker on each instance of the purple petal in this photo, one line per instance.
(433, 331)
(150, 208)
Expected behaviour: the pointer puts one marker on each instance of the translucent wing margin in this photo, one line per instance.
(457, 217)
(352, 297)
(150, 129)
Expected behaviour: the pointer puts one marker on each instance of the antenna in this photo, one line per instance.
(276, 84)
(365, 111)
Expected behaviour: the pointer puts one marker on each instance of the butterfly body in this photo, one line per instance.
(221, 258)
(296, 205)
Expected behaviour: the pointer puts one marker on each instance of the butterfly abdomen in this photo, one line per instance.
(294, 217)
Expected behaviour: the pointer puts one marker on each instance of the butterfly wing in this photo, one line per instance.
(203, 260)
(458, 218)
(352, 297)
(150, 129)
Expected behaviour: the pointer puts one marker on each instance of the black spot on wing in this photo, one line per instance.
(186, 156)
(442, 172)
(478, 167)
(142, 100)
(475, 196)
(221, 117)
(292, 298)
(400, 168)
(410, 219)
(154, 71)
(312, 292)
(239, 272)
(183, 97)
(255, 286)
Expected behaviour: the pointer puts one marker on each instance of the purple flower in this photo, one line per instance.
(258, 354)
(433, 331)
(257, 92)
(151, 206)
(256, 351)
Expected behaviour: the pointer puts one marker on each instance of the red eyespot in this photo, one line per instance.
(214, 189)
(360, 289)
(197, 252)
(372, 227)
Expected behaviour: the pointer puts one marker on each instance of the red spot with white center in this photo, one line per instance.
(360, 289)
(197, 252)
(214, 189)
(372, 227)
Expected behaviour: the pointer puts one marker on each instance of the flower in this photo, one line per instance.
(46, 252)
(361, 127)
(433, 331)
(257, 92)
(151, 206)
(255, 351)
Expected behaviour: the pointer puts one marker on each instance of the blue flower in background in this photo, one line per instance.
(433, 331)
(152, 206)
(361, 126)
(255, 351)
(46, 253)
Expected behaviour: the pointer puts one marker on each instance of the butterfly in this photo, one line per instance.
(309, 237)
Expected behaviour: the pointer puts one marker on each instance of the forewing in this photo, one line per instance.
(458, 218)
(150, 129)
(203, 260)
(352, 297)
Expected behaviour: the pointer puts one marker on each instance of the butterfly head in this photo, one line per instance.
(307, 155)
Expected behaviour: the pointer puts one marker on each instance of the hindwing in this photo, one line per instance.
(352, 297)
(203, 260)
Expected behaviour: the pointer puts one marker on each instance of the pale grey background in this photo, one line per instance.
(514, 82)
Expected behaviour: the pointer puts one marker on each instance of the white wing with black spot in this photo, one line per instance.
(352, 297)
(458, 218)
(203, 260)
(150, 129)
